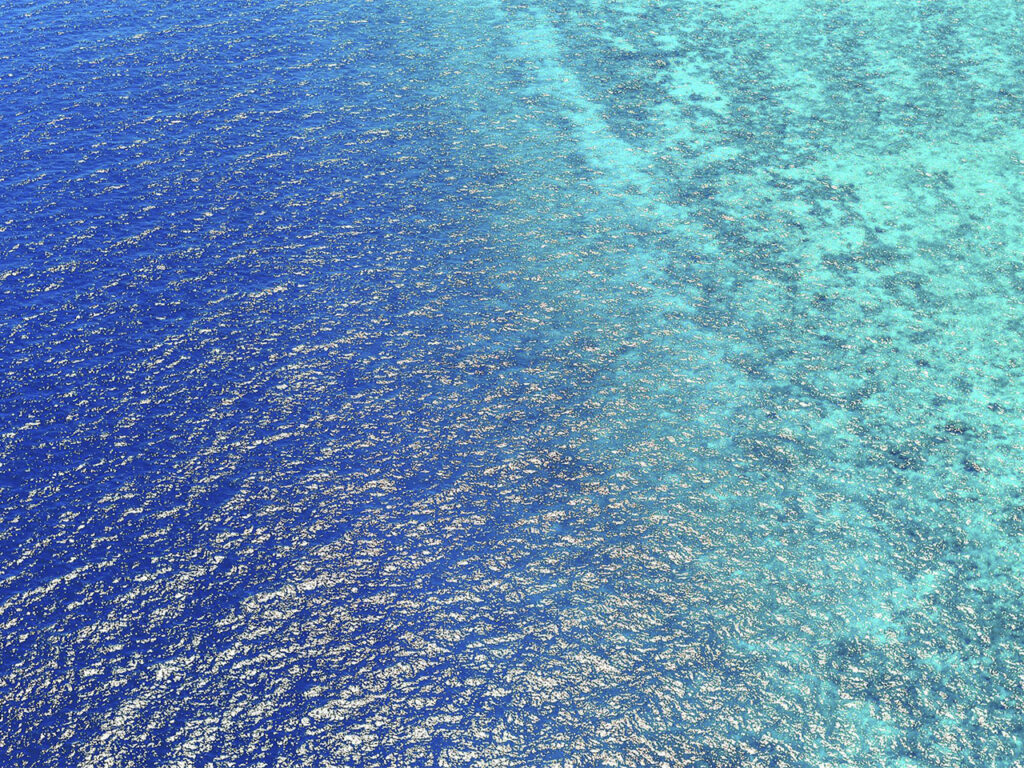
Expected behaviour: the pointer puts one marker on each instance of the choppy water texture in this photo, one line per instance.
(559, 383)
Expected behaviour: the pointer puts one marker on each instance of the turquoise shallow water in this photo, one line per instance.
(798, 223)
(604, 383)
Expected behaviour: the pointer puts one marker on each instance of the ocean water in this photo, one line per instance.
(576, 383)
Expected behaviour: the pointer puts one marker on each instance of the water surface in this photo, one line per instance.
(576, 383)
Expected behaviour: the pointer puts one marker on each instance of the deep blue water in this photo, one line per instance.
(570, 383)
